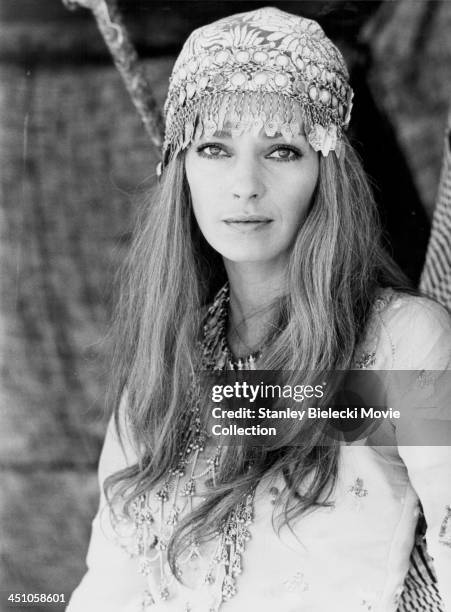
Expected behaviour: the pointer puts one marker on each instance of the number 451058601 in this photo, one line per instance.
(37, 598)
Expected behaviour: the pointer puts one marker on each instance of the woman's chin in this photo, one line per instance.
(249, 255)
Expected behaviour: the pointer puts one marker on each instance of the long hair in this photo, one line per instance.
(336, 265)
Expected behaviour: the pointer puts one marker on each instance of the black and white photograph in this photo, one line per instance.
(225, 299)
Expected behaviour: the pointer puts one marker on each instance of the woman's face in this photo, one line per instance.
(251, 193)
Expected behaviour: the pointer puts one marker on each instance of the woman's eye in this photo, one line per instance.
(284, 154)
(212, 151)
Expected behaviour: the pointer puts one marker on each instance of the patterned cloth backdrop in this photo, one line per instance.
(436, 277)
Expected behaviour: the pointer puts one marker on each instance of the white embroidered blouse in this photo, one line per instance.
(351, 557)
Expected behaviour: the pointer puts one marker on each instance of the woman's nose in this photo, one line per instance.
(247, 182)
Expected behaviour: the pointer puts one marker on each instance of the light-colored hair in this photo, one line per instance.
(171, 273)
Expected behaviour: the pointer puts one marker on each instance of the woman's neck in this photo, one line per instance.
(253, 291)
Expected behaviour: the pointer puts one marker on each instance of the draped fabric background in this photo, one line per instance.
(74, 161)
(436, 276)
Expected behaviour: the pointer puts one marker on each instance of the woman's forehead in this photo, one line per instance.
(229, 131)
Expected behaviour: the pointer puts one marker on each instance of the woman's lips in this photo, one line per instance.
(247, 223)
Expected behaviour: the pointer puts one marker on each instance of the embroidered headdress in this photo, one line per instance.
(258, 70)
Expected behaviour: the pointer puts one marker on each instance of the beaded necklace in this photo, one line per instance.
(155, 515)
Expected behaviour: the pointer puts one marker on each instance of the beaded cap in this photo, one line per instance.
(264, 69)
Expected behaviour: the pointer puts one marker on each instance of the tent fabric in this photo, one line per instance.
(436, 276)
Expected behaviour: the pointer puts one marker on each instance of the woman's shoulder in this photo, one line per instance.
(401, 310)
(405, 331)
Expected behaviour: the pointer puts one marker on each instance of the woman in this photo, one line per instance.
(260, 250)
